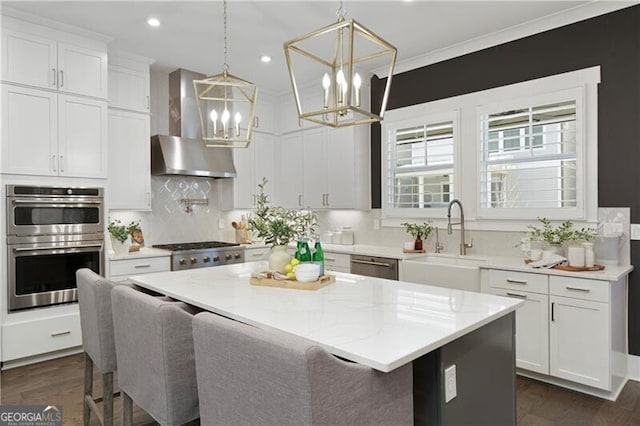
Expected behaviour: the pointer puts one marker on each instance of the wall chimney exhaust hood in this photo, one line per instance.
(183, 151)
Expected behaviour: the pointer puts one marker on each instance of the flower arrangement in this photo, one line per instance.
(280, 225)
(121, 232)
(559, 234)
(418, 231)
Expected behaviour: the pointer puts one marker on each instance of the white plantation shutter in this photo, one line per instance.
(420, 164)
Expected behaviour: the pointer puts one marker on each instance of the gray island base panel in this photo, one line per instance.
(485, 379)
(382, 324)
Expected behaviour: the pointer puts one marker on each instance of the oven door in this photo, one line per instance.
(43, 274)
(47, 216)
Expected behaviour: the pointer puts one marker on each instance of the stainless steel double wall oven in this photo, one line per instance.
(51, 232)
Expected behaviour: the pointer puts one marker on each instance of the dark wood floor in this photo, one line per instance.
(59, 382)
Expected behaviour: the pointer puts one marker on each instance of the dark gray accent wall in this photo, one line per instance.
(611, 41)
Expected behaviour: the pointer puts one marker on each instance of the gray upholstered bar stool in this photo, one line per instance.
(154, 349)
(249, 376)
(94, 300)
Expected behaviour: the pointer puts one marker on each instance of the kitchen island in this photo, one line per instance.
(382, 324)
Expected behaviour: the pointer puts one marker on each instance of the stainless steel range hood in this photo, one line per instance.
(183, 151)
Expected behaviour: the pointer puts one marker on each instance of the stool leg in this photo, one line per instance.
(88, 389)
(107, 399)
(127, 409)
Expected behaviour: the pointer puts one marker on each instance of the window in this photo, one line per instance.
(529, 154)
(420, 164)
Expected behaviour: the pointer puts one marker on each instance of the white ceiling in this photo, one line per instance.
(191, 32)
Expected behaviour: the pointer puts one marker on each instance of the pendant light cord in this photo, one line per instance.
(341, 12)
(225, 67)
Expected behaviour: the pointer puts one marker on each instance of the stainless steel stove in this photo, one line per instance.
(203, 254)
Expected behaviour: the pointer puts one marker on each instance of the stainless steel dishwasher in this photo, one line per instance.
(373, 266)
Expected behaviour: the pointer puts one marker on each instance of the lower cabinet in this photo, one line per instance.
(337, 262)
(569, 328)
(120, 269)
(256, 254)
(40, 336)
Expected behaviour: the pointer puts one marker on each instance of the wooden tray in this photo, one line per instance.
(413, 251)
(579, 268)
(323, 281)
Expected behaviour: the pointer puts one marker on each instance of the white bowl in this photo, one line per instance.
(307, 272)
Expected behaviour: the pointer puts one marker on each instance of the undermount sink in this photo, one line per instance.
(444, 270)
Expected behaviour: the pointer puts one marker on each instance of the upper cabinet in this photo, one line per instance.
(129, 82)
(264, 120)
(45, 62)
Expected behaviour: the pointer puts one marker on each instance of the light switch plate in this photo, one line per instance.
(450, 388)
(221, 224)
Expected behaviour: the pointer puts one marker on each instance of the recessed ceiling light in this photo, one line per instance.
(265, 58)
(153, 22)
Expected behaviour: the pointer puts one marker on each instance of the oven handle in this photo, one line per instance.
(56, 201)
(84, 246)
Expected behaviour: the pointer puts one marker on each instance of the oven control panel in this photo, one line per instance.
(206, 258)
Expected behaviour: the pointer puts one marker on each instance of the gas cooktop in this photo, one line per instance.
(203, 245)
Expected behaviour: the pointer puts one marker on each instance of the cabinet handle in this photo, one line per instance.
(60, 333)
(148, 199)
(53, 71)
(523, 296)
(54, 163)
(329, 259)
(299, 200)
(585, 290)
(61, 78)
(257, 254)
(553, 315)
(509, 280)
(61, 165)
(256, 122)
(148, 102)
(146, 265)
(327, 194)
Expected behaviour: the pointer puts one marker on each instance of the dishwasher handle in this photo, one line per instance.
(369, 262)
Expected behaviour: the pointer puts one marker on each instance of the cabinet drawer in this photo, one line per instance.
(579, 288)
(333, 261)
(40, 336)
(522, 281)
(140, 266)
(254, 255)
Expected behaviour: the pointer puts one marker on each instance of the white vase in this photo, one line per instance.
(279, 258)
(120, 249)
(588, 255)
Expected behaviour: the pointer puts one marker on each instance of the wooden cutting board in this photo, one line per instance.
(323, 281)
(579, 268)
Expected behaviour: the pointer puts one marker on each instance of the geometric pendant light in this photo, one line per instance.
(226, 105)
(336, 59)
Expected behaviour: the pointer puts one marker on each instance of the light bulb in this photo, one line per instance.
(225, 121)
(213, 115)
(342, 86)
(357, 83)
(326, 83)
(237, 117)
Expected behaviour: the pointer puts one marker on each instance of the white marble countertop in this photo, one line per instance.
(379, 323)
(144, 252)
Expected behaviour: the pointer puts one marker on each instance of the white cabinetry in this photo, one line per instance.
(129, 161)
(138, 264)
(255, 254)
(337, 262)
(287, 116)
(290, 171)
(264, 119)
(44, 62)
(579, 331)
(571, 331)
(252, 165)
(129, 133)
(52, 135)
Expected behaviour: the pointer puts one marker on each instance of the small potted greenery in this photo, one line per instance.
(278, 226)
(418, 232)
(120, 234)
(555, 236)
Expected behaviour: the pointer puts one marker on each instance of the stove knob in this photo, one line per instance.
(237, 256)
(193, 260)
(182, 261)
(228, 257)
(206, 259)
(216, 258)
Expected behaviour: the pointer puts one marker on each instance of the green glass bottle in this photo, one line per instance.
(303, 254)
(318, 257)
(297, 253)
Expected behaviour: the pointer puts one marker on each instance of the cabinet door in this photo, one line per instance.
(82, 71)
(29, 131)
(82, 137)
(264, 117)
(315, 168)
(128, 89)
(580, 342)
(341, 170)
(532, 331)
(243, 188)
(263, 164)
(288, 120)
(129, 162)
(289, 172)
(28, 59)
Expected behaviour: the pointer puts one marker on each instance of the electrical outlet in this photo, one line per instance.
(635, 231)
(450, 388)
(220, 224)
